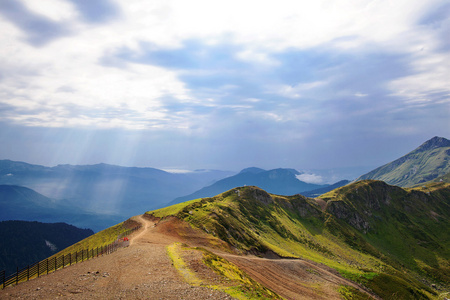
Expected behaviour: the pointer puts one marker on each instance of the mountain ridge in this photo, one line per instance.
(425, 163)
(106, 189)
(281, 181)
(379, 235)
(22, 203)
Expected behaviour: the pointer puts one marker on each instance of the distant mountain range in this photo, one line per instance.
(23, 243)
(387, 238)
(426, 163)
(106, 189)
(276, 181)
(21, 203)
(326, 189)
(98, 196)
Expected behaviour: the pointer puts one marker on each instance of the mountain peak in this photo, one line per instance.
(436, 142)
(252, 170)
(427, 162)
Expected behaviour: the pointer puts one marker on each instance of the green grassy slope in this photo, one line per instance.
(408, 227)
(381, 236)
(427, 162)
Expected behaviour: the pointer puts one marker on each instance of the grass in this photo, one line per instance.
(100, 239)
(239, 284)
(174, 254)
(403, 240)
(171, 210)
(414, 168)
(350, 293)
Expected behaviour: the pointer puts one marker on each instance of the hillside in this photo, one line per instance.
(362, 241)
(168, 259)
(381, 236)
(429, 161)
(277, 181)
(21, 203)
(23, 243)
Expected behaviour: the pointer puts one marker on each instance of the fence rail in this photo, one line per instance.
(52, 264)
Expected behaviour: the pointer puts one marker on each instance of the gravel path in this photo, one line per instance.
(144, 271)
(141, 271)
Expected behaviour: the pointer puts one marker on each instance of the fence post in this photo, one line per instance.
(38, 269)
(46, 262)
(63, 261)
(3, 278)
(28, 272)
(17, 276)
(3, 275)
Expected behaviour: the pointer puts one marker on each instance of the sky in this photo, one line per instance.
(176, 84)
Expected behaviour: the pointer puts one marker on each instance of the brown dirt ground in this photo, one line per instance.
(144, 271)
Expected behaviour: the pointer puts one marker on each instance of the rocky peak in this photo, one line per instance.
(436, 142)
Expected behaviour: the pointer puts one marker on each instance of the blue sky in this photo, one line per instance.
(222, 84)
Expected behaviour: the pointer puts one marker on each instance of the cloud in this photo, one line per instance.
(293, 73)
(310, 178)
(96, 11)
(39, 29)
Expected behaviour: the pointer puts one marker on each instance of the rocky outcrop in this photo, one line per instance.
(342, 211)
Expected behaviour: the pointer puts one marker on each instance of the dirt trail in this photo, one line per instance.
(292, 277)
(146, 224)
(144, 271)
(141, 271)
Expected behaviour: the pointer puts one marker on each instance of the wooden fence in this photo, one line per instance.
(52, 264)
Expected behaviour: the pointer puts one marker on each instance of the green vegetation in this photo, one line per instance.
(381, 236)
(102, 238)
(238, 284)
(174, 253)
(428, 162)
(351, 293)
(171, 210)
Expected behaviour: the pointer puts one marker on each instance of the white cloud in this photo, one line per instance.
(178, 171)
(55, 10)
(310, 178)
(297, 91)
(361, 95)
(46, 83)
(429, 83)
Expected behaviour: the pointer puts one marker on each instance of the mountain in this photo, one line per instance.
(277, 181)
(391, 240)
(23, 243)
(107, 189)
(429, 161)
(366, 240)
(21, 203)
(326, 189)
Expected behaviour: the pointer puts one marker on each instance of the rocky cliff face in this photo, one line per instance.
(376, 207)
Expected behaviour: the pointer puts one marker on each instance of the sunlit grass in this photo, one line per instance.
(170, 210)
(238, 284)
